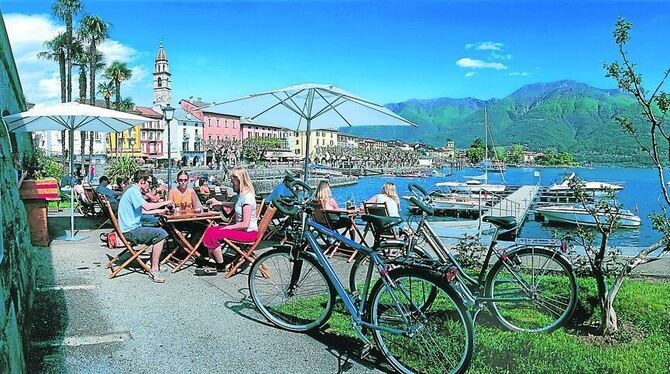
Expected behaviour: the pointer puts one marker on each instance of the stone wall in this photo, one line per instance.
(16, 275)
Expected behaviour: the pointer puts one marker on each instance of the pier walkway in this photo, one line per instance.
(516, 204)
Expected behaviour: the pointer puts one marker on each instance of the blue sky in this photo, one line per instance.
(385, 51)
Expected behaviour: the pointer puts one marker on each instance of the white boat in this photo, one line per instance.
(580, 216)
(457, 201)
(591, 188)
(472, 186)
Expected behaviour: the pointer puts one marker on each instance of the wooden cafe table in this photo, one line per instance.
(170, 222)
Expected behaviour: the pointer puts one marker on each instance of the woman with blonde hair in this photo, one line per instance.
(389, 195)
(244, 229)
(325, 196)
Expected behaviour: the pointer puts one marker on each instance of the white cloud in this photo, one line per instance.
(467, 62)
(519, 74)
(501, 56)
(115, 51)
(470, 74)
(40, 78)
(485, 46)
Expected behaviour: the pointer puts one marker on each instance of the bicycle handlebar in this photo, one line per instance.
(423, 206)
(282, 203)
(414, 187)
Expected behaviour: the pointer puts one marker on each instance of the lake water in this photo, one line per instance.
(641, 194)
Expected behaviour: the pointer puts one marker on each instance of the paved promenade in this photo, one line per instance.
(85, 323)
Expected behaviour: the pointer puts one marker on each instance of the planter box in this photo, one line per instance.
(34, 194)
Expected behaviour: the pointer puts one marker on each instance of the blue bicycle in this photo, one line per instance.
(418, 321)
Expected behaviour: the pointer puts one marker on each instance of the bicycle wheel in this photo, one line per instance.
(439, 339)
(534, 290)
(302, 305)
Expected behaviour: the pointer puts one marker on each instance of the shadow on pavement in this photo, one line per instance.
(49, 318)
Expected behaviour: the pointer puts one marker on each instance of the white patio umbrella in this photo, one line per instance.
(74, 117)
(317, 106)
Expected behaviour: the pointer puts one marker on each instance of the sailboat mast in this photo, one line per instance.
(486, 147)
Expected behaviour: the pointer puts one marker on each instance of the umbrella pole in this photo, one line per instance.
(72, 236)
(307, 150)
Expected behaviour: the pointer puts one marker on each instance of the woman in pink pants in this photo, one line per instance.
(245, 228)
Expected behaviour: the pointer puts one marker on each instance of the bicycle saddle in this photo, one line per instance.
(381, 223)
(506, 223)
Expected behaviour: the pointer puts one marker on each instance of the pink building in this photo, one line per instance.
(217, 126)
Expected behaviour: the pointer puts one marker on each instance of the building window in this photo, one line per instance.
(160, 82)
(233, 123)
(217, 123)
(225, 123)
(209, 122)
(209, 138)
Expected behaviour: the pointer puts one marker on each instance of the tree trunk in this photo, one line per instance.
(68, 57)
(82, 146)
(82, 84)
(91, 135)
(107, 104)
(91, 70)
(117, 86)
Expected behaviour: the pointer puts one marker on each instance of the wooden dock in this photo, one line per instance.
(516, 205)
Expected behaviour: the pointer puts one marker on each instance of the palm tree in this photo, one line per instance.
(56, 48)
(106, 89)
(118, 72)
(93, 30)
(127, 104)
(66, 10)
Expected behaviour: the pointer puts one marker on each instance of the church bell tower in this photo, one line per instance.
(162, 79)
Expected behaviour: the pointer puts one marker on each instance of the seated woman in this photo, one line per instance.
(204, 187)
(389, 195)
(244, 229)
(325, 199)
(183, 195)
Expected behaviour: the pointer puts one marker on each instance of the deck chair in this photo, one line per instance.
(377, 209)
(129, 249)
(245, 250)
(84, 203)
(330, 221)
(103, 212)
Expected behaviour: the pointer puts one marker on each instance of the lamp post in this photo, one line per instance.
(168, 114)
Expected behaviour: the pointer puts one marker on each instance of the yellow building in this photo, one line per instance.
(318, 138)
(126, 143)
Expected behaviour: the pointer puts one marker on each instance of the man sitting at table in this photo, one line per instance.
(109, 194)
(131, 208)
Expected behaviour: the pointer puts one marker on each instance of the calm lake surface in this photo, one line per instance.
(641, 194)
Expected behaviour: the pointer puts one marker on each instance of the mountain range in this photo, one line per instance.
(564, 115)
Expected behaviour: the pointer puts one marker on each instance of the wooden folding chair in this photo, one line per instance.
(245, 250)
(103, 211)
(328, 220)
(129, 249)
(377, 209)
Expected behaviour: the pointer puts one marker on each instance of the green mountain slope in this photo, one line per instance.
(566, 115)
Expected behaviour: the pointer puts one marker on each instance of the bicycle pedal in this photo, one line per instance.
(365, 351)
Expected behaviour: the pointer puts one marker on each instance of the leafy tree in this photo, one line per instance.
(92, 31)
(66, 10)
(254, 149)
(610, 280)
(118, 72)
(515, 154)
(501, 153)
(127, 104)
(55, 51)
(106, 89)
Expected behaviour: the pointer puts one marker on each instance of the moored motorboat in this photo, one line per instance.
(577, 215)
(591, 188)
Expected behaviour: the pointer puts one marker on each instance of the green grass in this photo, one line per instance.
(643, 308)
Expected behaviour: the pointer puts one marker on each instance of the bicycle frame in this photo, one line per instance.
(464, 283)
(356, 313)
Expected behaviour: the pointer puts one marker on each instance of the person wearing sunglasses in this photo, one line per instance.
(182, 194)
